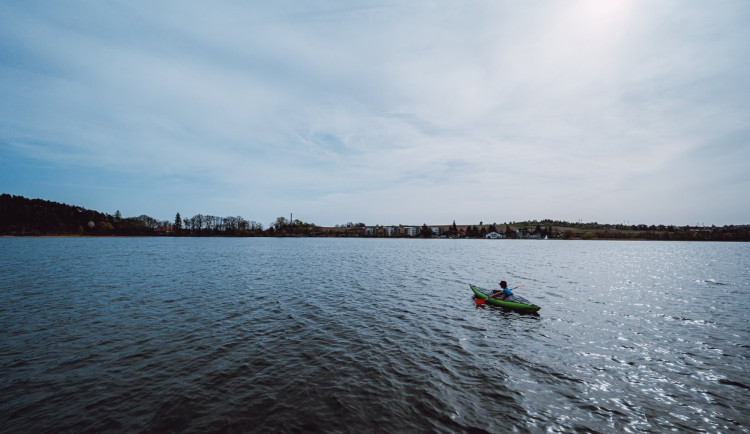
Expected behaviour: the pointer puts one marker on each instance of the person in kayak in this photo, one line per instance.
(504, 293)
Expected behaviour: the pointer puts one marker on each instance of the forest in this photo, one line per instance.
(20, 216)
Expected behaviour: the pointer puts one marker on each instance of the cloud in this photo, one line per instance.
(384, 112)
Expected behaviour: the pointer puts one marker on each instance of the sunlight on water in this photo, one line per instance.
(360, 335)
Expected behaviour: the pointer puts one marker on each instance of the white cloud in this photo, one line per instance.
(385, 113)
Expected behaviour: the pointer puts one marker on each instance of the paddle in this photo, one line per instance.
(481, 301)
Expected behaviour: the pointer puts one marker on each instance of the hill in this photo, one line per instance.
(22, 216)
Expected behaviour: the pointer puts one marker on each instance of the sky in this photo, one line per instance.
(381, 112)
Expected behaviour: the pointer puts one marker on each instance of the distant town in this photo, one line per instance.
(20, 216)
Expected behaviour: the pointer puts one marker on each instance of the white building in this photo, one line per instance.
(411, 231)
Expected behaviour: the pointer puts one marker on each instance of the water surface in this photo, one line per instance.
(345, 335)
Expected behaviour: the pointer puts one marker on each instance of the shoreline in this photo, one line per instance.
(373, 238)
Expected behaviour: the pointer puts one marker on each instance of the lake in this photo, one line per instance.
(371, 335)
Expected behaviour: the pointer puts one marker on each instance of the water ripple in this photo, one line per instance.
(300, 335)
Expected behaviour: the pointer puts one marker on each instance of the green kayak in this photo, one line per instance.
(519, 304)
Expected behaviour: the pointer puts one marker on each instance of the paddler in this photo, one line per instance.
(503, 293)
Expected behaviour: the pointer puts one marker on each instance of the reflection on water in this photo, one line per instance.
(295, 335)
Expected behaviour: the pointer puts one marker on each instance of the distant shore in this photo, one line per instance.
(23, 217)
(365, 237)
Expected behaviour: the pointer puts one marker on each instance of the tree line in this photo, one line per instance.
(604, 231)
(206, 224)
(21, 216)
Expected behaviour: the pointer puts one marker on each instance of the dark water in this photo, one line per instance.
(330, 335)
